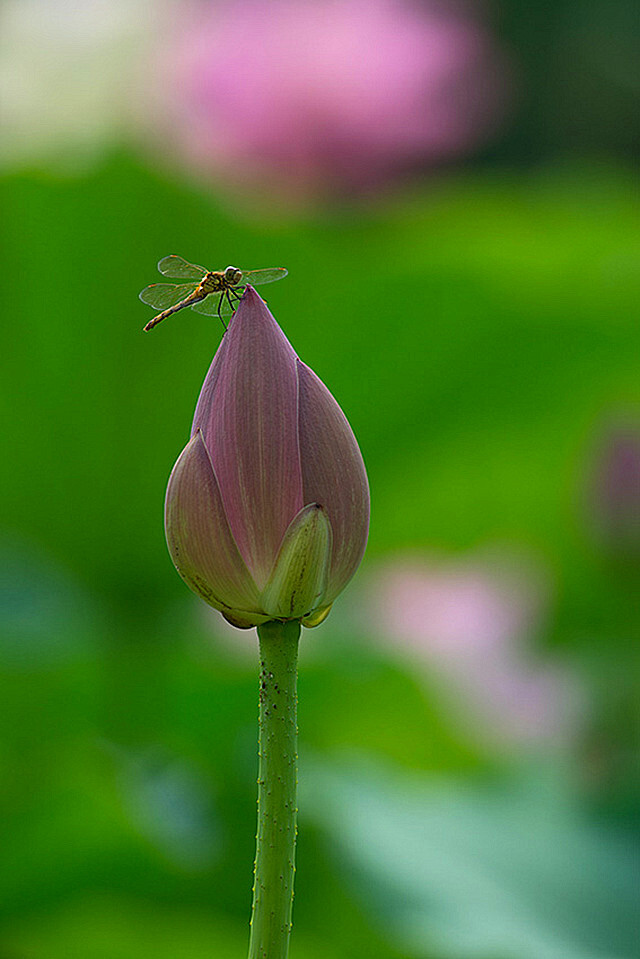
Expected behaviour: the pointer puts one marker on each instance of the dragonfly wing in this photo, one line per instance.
(209, 306)
(163, 295)
(264, 276)
(176, 266)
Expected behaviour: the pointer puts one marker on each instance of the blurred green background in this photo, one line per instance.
(478, 323)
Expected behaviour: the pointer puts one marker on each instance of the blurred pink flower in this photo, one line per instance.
(469, 625)
(325, 96)
(614, 494)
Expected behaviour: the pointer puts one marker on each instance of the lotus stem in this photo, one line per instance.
(277, 791)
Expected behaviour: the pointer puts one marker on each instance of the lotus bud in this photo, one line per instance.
(267, 507)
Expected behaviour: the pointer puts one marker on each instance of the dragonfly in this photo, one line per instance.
(212, 292)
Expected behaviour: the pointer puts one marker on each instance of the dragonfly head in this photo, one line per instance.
(232, 275)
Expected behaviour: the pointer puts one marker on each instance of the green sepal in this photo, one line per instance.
(298, 579)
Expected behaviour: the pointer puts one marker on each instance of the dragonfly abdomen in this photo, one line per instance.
(194, 297)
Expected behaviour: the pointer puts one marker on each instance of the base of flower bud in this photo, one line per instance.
(240, 623)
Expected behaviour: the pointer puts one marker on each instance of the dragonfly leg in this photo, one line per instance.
(220, 302)
(231, 293)
(236, 298)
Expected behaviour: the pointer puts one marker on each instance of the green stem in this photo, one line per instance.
(277, 790)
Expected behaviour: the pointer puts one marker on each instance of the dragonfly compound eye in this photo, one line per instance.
(233, 275)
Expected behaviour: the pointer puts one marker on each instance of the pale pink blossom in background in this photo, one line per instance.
(323, 96)
(470, 628)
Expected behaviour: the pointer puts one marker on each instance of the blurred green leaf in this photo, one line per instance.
(454, 870)
(101, 927)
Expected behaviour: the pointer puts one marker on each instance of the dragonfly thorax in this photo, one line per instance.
(215, 281)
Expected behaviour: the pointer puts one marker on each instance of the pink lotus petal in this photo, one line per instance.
(248, 418)
(205, 402)
(198, 534)
(333, 475)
